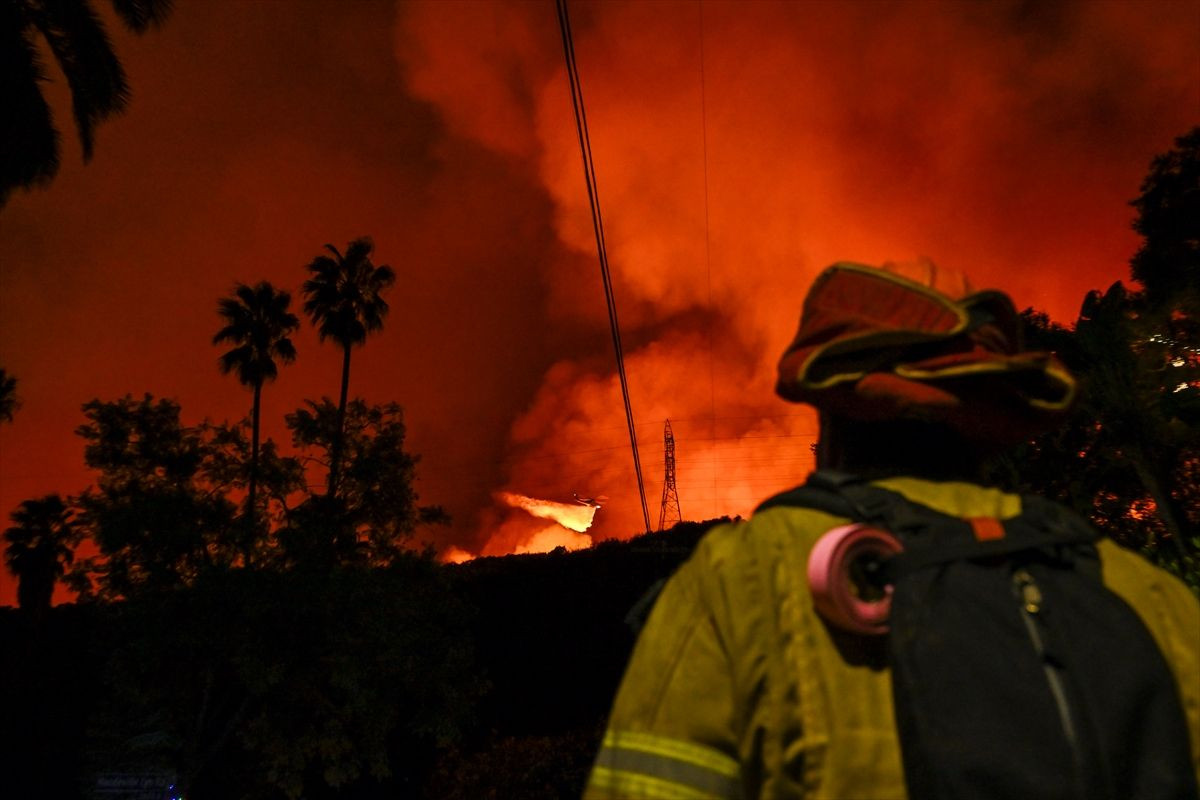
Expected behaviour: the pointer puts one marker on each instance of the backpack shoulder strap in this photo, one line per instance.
(821, 492)
(849, 496)
(932, 537)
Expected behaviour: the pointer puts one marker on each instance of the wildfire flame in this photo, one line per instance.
(456, 555)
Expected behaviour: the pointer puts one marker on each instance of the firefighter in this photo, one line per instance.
(736, 687)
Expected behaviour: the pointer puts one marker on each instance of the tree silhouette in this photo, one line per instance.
(1131, 403)
(227, 466)
(376, 509)
(80, 45)
(40, 546)
(8, 396)
(344, 298)
(1129, 455)
(1168, 263)
(154, 512)
(258, 322)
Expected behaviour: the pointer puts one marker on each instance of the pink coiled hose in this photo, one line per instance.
(834, 587)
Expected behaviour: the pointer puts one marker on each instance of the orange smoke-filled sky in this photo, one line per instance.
(739, 148)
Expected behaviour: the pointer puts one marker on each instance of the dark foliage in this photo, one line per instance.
(375, 510)
(39, 548)
(1128, 458)
(1168, 263)
(315, 656)
(78, 41)
(154, 513)
(264, 684)
(488, 679)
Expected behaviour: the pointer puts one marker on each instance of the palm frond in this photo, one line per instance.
(383, 277)
(343, 295)
(80, 43)
(31, 144)
(229, 333)
(259, 324)
(359, 251)
(233, 360)
(284, 350)
(250, 297)
(140, 15)
(43, 531)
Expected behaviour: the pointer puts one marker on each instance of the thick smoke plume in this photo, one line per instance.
(741, 147)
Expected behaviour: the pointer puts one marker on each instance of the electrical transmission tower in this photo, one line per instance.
(669, 512)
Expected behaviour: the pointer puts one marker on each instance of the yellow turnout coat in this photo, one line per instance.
(736, 689)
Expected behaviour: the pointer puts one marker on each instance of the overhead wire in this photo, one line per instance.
(589, 173)
(712, 383)
(721, 454)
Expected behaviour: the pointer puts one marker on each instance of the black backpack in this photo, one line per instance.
(1016, 673)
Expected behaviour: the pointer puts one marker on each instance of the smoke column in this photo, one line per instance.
(993, 138)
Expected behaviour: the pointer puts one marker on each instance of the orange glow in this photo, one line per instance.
(1143, 509)
(455, 555)
(553, 536)
(574, 432)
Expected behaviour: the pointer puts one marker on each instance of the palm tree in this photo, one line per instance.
(40, 546)
(75, 35)
(258, 323)
(344, 298)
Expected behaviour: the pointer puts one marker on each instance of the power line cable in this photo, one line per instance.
(712, 384)
(589, 174)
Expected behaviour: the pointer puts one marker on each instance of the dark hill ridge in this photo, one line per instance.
(553, 628)
(553, 632)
